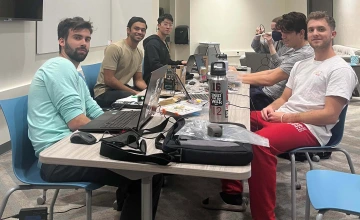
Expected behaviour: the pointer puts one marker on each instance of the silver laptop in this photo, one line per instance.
(194, 62)
(257, 61)
(200, 95)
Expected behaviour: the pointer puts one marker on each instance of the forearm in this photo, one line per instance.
(172, 62)
(140, 84)
(116, 84)
(278, 103)
(77, 122)
(314, 117)
(265, 72)
(260, 78)
(272, 49)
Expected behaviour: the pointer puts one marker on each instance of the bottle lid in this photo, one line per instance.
(222, 56)
(218, 69)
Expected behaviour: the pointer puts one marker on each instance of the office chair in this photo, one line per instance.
(91, 73)
(25, 162)
(337, 134)
(332, 190)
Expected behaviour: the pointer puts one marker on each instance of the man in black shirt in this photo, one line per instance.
(156, 49)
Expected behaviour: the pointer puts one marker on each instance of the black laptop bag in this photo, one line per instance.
(181, 149)
(186, 149)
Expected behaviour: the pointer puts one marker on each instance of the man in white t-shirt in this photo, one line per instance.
(316, 92)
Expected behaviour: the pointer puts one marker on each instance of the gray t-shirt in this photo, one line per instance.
(286, 65)
(311, 81)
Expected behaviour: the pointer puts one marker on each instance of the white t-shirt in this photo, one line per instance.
(311, 81)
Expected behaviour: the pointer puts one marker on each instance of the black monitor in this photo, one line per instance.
(31, 10)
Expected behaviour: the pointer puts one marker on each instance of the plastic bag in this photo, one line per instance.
(198, 128)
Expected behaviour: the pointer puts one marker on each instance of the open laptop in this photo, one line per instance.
(199, 95)
(257, 61)
(120, 120)
(194, 63)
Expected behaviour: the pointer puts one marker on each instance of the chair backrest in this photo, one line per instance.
(91, 73)
(338, 130)
(23, 154)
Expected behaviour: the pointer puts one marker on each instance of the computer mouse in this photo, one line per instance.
(82, 138)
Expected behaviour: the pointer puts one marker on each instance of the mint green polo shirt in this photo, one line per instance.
(57, 95)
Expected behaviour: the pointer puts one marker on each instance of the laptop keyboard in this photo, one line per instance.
(121, 120)
(202, 96)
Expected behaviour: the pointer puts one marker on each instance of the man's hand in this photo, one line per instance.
(183, 62)
(275, 117)
(232, 68)
(265, 113)
(268, 38)
(259, 30)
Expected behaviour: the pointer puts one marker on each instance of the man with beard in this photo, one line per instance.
(318, 89)
(60, 102)
(122, 61)
(157, 52)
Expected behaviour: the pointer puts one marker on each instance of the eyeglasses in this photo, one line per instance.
(167, 24)
(137, 143)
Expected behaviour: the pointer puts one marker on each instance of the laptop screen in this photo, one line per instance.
(152, 95)
(257, 61)
(194, 61)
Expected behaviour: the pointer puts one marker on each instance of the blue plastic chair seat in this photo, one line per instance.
(334, 190)
(32, 177)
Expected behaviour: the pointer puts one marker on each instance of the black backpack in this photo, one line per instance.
(182, 34)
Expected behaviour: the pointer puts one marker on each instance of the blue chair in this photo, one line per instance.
(25, 162)
(332, 190)
(331, 146)
(91, 73)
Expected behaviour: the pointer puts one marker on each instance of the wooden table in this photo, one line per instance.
(66, 153)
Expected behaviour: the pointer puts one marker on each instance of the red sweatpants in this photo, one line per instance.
(262, 184)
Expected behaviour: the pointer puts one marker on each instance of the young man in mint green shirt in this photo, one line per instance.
(60, 103)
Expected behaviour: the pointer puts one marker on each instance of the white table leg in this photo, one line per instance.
(146, 198)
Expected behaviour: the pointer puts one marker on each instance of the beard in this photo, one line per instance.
(74, 53)
(325, 44)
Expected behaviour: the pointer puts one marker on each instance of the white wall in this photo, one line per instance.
(346, 14)
(182, 17)
(296, 5)
(19, 60)
(165, 4)
(232, 23)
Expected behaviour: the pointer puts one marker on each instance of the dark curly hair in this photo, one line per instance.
(293, 21)
(75, 23)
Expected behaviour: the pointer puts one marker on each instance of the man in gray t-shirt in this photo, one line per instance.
(271, 83)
